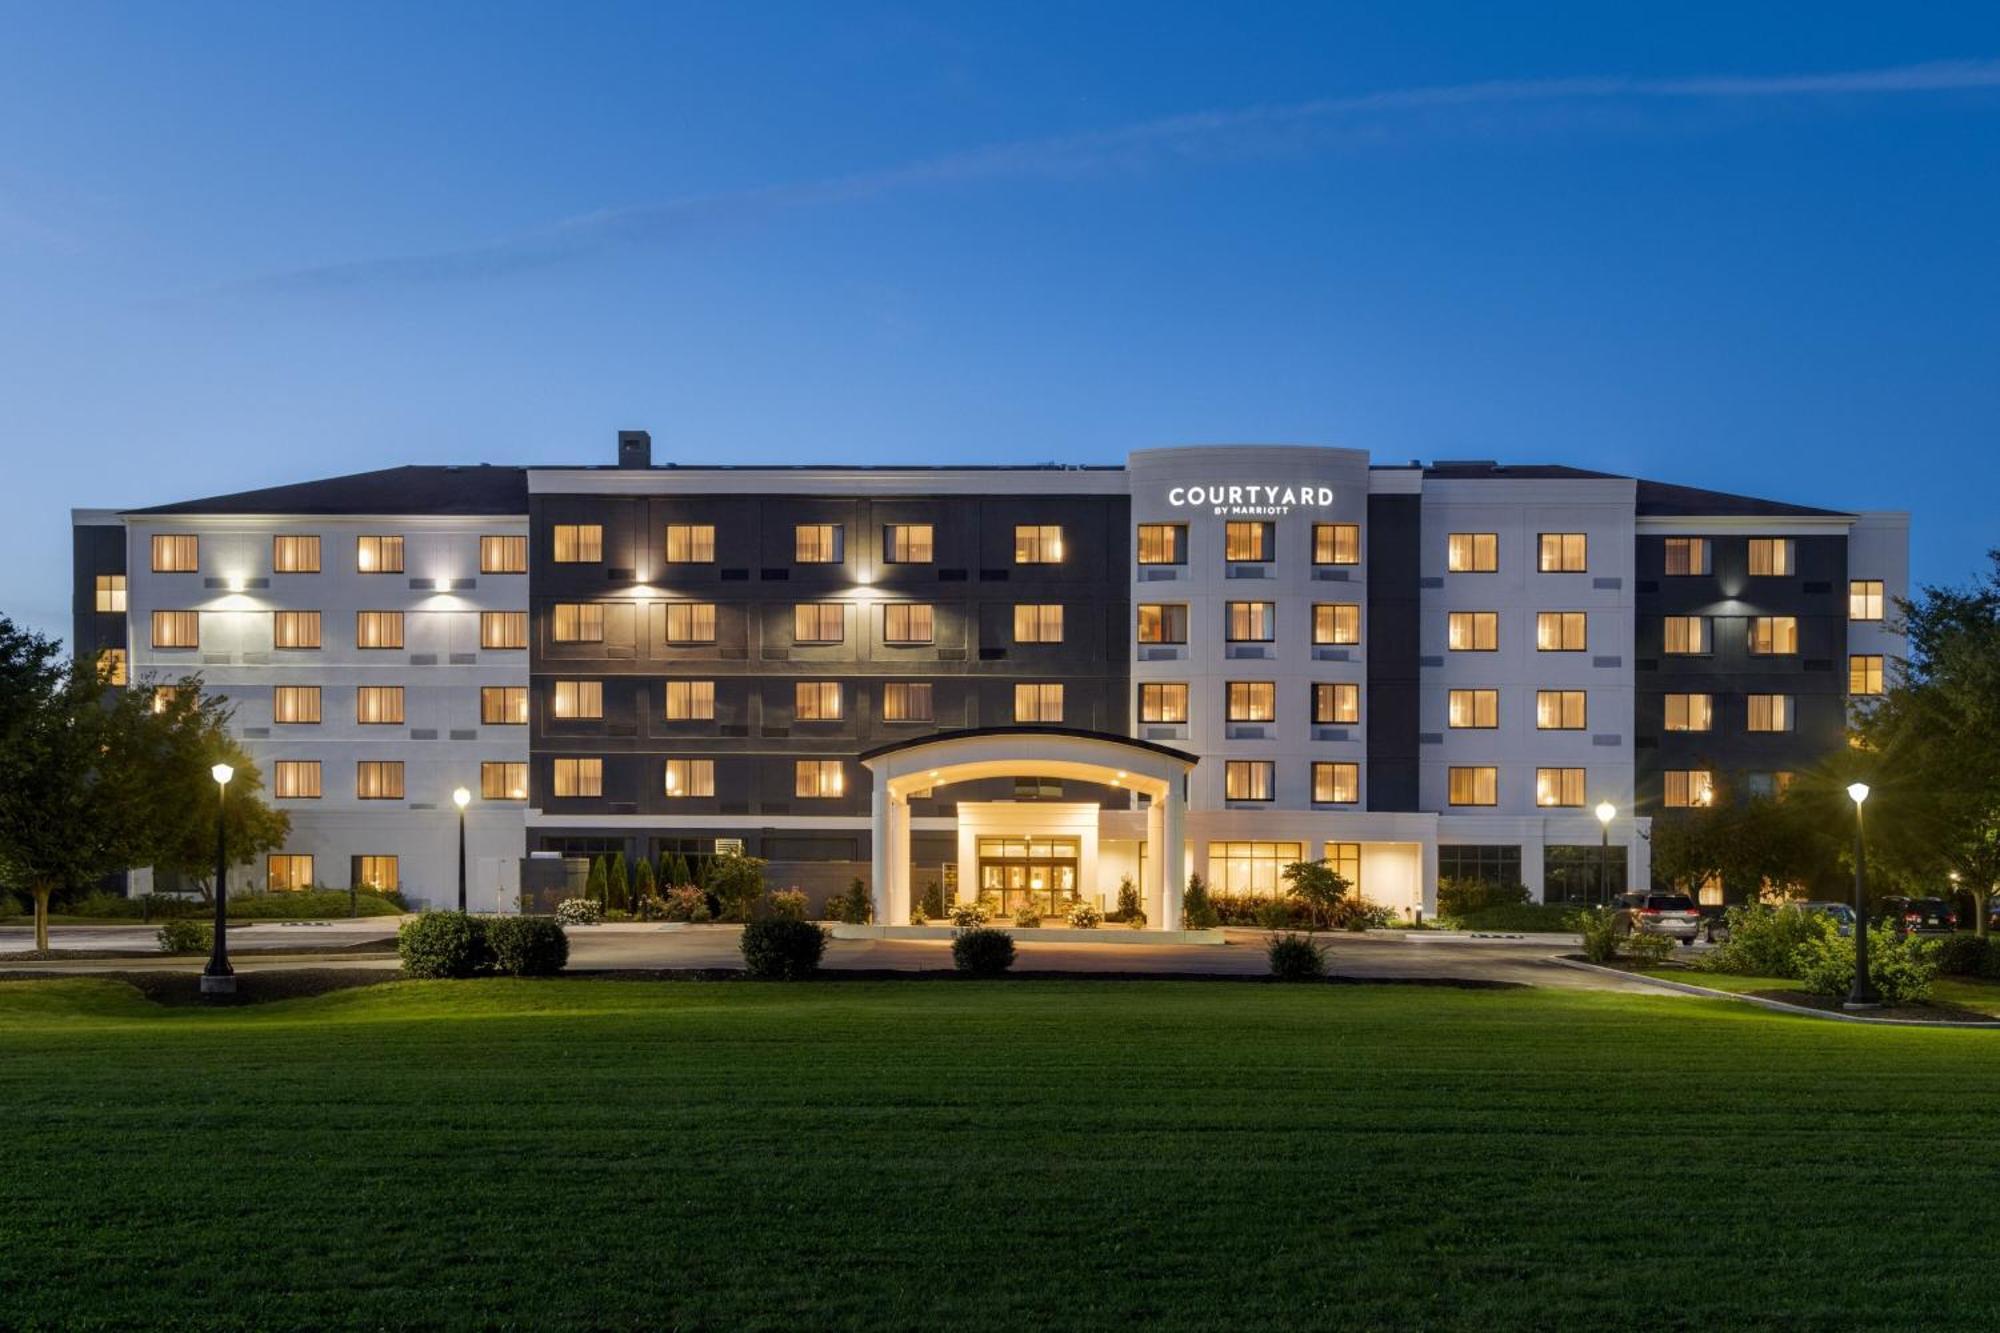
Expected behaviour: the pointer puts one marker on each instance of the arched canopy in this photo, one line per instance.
(1027, 752)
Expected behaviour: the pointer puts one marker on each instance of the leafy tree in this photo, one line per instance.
(1319, 886)
(593, 887)
(175, 745)
(1198, 909)
(617, 883)
(643, 885)
(737, 881)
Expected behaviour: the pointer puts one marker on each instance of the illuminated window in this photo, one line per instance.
(816, 700)
(1478, 709)
(164, 696)
(819, 622)
(1864, 599)
(690, 700)
(1243, 868)
(1689, 787)
(690, 777)
(1336, 703)
(1559, 710)
(906, 701)
(378, 555)
(503, 781)
(1563, 553)
(1337, 622)
(1250, 622)
(579, 777)
(817, 543)
(1248, 779)
(690, 622)
(1690, 712)
(1772, 636)
(111, 593)
(1473, 631)
(1166, 701)
(1686, 635)
(1768, 786)
(378, 873)
(578, 543)
(295, 629)
(378, 629)
(1770, 712)
(1336, 543)
(378, 704)
(1864, 673)
(1247, 542)
(1038, 544)
(578, 699)
(1771, 556)
(176, 629)
(288, 872)
(509, 629)
(296, 779)
(690, 543)
(818, 778)
(908, 544)
(378, 780)
(1559, 786)
(295, 554)
(176, 554)
(1038, 702)
(1345, 858)
(1472, 552)
(1336, 783)
(503, 705)
(1473, 785)
(1561, 631)
(1163, 543)
(1253, 701)
(113, 667)
(1162, 623)
(908, 622)
(295, 704)
(569, 622)
(503, 555)
(1038, 623)
(1686, 556)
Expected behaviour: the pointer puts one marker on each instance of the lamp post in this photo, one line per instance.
(1862, 994)
(219, 978)
(461, 798)
(1605, 812)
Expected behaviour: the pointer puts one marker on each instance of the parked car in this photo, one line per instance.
(1919, 916)
(1715, 922)
(1671, 914)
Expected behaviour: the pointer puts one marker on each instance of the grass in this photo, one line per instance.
(1001, 1155)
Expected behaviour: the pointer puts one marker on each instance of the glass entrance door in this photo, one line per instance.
(1018, 872)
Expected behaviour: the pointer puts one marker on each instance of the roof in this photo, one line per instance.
(1484, 470)
(480, 489)
(1659, 499)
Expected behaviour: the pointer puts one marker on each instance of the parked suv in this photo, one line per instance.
(1919, 916)
(1671, 914)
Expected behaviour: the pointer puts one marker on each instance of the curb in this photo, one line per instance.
(1779, 1006)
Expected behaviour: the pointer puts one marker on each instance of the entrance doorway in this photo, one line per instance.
(1021, 872)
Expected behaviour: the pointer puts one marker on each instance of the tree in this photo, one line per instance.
(1198, 910)
(675, 871)
(176, 743)
(617, 884)
(593, 887)
(643, 885)
(737, 881)
(1319, 886)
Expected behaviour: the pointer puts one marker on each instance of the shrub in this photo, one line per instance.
(1459, 897)
(854, 907)
(1281, 913)
(1128, 901)
(593, 885)
(780, 949)
(184, 936)
(1902, 966)
(1295, 957)
(1963, 956)
(918, 916)
(1316, 885)
(1353, 912)
(1765, 941)
(527, 946)
(969, 916)
(687, 903)
(737, 881)
(1649, 950)
(1197, 909)
(643, 885)
(1251, 910)
(1083, 915)
(1027, 916)
(1599, 928)
(615, 915)
(933, 902)
(652, 908)
(444, 944)
(983, 952)
(1136, 920)
(617, 883)
(789, 904)
(580, 912)
(1515, 917)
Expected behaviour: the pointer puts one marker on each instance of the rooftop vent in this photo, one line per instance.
(635, 449)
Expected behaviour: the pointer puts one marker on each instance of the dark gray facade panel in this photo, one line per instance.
(94, 549)
(1395, 541)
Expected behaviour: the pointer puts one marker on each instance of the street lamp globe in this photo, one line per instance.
(1606, 812)
(461, 798)
(1858, 791)
(222, 773)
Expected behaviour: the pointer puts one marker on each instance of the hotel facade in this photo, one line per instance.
(1026, 682)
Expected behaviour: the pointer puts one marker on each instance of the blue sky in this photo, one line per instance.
(1729, 245)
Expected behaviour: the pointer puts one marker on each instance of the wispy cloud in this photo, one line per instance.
(1205, 135)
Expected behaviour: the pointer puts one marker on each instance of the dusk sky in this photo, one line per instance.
(1737, 246)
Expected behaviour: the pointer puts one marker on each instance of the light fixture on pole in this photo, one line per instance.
(219, 978)
(461, 798)
(1862, 994)
(1606, 812)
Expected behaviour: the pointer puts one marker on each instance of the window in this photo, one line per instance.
(176, 554)
(572, 622)
(1473, 631)
(295, 629)
(378, 704)
(690, 777)
(906, 701)
(1250, 622)
(376, 872)
(1864, 599)
(1038, 703)
(1561, 631)
(1769, 786)
(1038, 623)
(1559, 786)
(690, 700)
(1690, 712)
(503, 705)
(578, 543)
(817, 543)
(1771, 557)
(1686, 636)
(296, 779)
(690, 543)
(1247, 542)
(1473, 786)
(1336, 543)
(1337, 622)
(1162, 623)
(378, 629)
(295, 704)
(575, 699)
(1163, 543)
(1560, 710)
(816, 700)
(113, 666)
(1336, 783)
(1476, 709)
(503, 781)
(164, 696)
(1252, 701)
(1472, 552)
(579, 777)
(1864, 674)
(111, 593)
(378, 780)
(814, 779)
(1248, 779)
(288, 872)
(1686, 556)
(1774, 635)
(176, 629)
(1164, 702)
(908, 622)
(509, 629)
(1563, 553)
(1689, 787)
(1770, 712)
(1336, 703)
(1250, 867)
(690, 622)
(819, 622)
(1346, 860)
(908, 544)
(503, 555)
(1038, 544)
(1494, 863)
(294, 555)
(378, 555)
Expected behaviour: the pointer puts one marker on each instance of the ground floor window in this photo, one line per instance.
(1345, 859)
(1574, 873)
(287, 872)
(376, 872)
(1250, 867)
(1497, 863)
(1024, 872)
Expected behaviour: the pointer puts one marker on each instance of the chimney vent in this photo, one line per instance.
(635, 449)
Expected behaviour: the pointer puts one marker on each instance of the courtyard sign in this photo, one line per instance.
(1257, 501)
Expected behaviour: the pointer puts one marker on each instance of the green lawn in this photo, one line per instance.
(1007, 1155)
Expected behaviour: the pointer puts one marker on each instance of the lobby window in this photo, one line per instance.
(1559, 786)
(908, 544)
(1038, 544)
(1336, 543)
(690, 700)
(1042, 702)
(1561, 631)
(1166, 701)
(690, 543)
(1864, 599)
(906, 701)
(1770, 712)
(1163, 543)
(1473, 785)
(176, 629)
(909, 622)
(1864, 674)
(111, 593)
(294, 554)
(295, 705)
(1240, 868)
(377, 705)
(296, 779)
(690, 622)
(578, 699)
(378, 555)
(1336, 703)
(1686, 556)
(376, 872)
(1687, 788)
(503, 555)
(1249, 779)
(1248, 543)
(1772, 557)
(1337, 622)
(1473, 709)
(690, 777)
(578, 543)
(1560, 710)
(816, 700)
(509, 629)
(1336, 783)
(1250, 622)
(113, 667)
(819, 622)
(1489, 864)
(1345, 857)
(1685, 636)
(818, 779)
(176, 553)
(1039, 622)
(1773, 636)
(1253, 701)
(378, 780)
(1473, 631)
(817, 543)
(1162, 622)
(503, 705)
(579, 777)
(1563, 553)
(1690, 712)
(288, 872)
(503, 781)
(295, 629)
(1472, 552)
(569, 622)
(378, 629)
